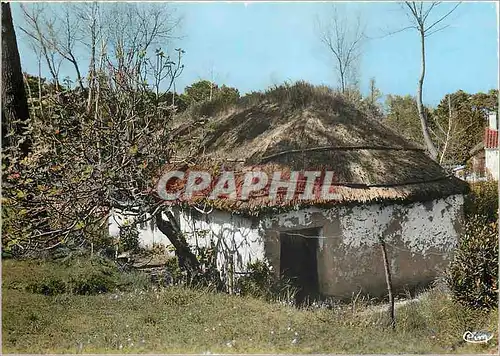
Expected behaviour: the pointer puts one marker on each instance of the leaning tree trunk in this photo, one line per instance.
(433, 152)
(187, 259)
(15, 111)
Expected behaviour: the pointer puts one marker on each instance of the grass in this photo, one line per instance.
(136, 318)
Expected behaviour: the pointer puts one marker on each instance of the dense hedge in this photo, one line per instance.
(482, 201)
(473, 276)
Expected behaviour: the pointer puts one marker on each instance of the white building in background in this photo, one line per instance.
(491, 147)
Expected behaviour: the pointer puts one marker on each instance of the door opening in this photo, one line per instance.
(298, 262)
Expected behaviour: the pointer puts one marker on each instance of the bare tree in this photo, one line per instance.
(15, 111)
(344, 40)
(36, 27)
(64, 36)
(421, 21)
(89, 13)
(449, 129)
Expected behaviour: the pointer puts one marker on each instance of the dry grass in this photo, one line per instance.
(180, 320)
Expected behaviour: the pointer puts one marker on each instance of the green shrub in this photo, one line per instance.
(85, 276)
(482, 201)
(129, 238)
(93, 284)
(260, 282)
(48, 286)
(173, 270)
(209, 108)
(473, 276)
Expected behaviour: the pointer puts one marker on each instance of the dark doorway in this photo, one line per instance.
(298, 262)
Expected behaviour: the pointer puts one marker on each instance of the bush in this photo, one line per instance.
(85, 277)
(482, 201)
(473, 276)
(129, 238)
(260, 282)
(93, 284)
(48, 286)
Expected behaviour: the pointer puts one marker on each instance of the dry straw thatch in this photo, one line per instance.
(303, 127)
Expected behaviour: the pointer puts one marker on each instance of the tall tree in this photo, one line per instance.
(203, 90)
(344, 40)
(375, 93)
(421, 21)
(459, 121)
(15, 111)
(402, 116)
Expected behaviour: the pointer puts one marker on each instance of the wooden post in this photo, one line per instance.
(389, 283)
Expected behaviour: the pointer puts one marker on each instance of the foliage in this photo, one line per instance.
(260, 282)
(129, 238)
(205, 90)
(482, 201)
(458, 131)
(402, 116)
(208, 108)
(85, 161)
(177, 100)
(199, 91)
(81, 276)
(37, 86)
(473, 277)
(173, 270)
(48, 286)
(210, 275)
(374, 93)
(453, 134)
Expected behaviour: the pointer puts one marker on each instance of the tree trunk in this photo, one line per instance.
(433, 152)
(388, 280)
(187, 259)
(77, 69)
(448, 133)
(15, 111)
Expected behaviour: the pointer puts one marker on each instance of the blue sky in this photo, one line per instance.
(252, 46)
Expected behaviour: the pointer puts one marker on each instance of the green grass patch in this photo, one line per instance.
(182, 320)
(85, 276)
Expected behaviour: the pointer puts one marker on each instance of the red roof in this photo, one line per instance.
(491, 138)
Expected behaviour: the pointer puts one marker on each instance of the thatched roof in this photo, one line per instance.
(302, 127)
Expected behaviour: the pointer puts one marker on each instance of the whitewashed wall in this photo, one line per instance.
(423, 225)
(419, 228)
(492, 159)
(236, 240)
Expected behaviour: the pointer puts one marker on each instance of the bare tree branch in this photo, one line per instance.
(419, 16)
(344, 41)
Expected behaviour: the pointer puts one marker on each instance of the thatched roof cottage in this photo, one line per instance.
(386, 188)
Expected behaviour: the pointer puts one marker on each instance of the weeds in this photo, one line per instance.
(181, 320)
(80, 275)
